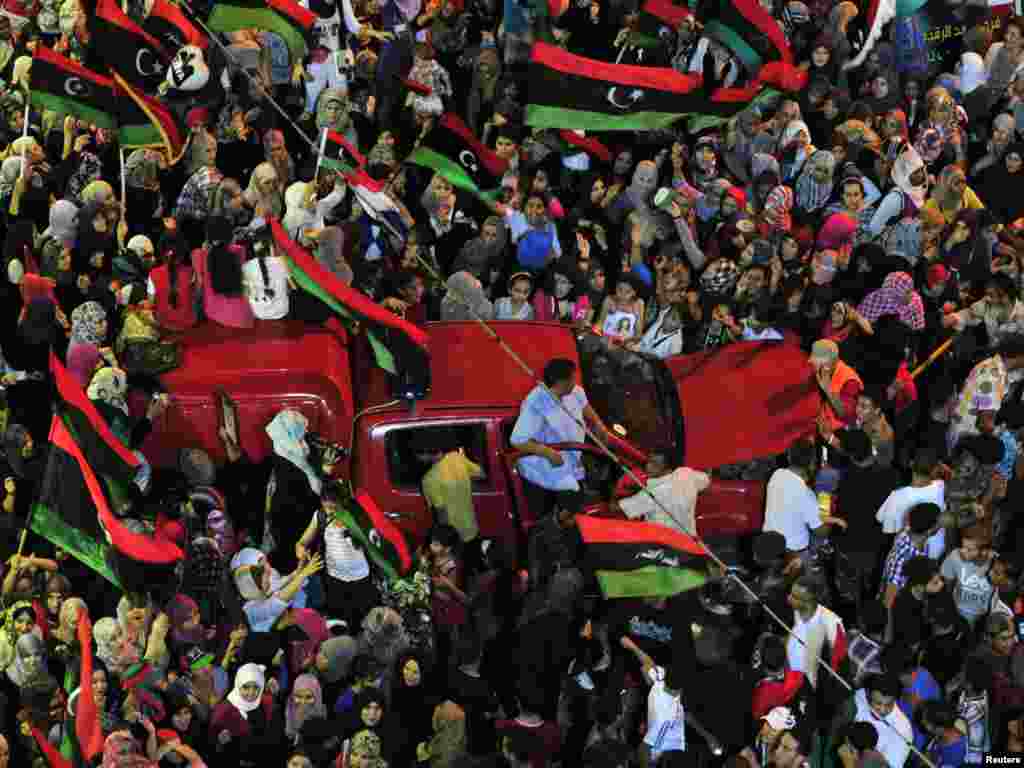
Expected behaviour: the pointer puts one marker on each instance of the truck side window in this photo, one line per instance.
(406, 471)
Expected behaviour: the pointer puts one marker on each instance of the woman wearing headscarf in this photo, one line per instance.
(484, 255)
(266, 594)
(951, 194)
(112, 646)
(193, 205)
(121, 750)
(88, 341)
(26, 460)
(18, 622)
(297, 484)
(186, 623)
(142, 182)
(794, 149)
(465, 299)
(334, 662)
(998, 182)
(275, 153)
(907, 196)
(705, 165)
(264, 193)
(305, 212)
(245, 728)
(814, 185)
(108, 390)
(412, 700)
(896, 297)
(55, 247)
(305, 702)
(448, 744)
(1004, 128)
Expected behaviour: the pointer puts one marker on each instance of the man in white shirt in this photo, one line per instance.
(792, 508)
(674, 490)
(875, 703)
(666, 718)
(922, 490)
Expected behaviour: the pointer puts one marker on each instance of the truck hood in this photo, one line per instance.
(744, 401)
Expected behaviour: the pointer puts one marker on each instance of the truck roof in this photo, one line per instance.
(468, 368)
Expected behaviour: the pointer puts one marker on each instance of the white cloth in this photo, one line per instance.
(823, 627)
(666, 717)
(892, 741)
(677, 491)
(247, 673)
(791, 509)
(661, 343)
(972, 72)
(266, 304)
(342, 559)
(893, 512)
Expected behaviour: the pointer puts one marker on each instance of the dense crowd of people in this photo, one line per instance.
(872, 217)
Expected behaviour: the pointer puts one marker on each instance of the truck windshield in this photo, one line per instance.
(636, 393)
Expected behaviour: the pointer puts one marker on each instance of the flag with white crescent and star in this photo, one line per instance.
(67, 88)
(452, 150)
(570, 91)
(126, 48)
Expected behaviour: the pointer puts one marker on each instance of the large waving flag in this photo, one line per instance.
(452, 150)
(636, 559)
(126, 48)
(286, 18)
(172, 28)
(339, 154)
(381, 539)
(569, 91)
(754, 37)
(66, 87)
(144, 121)
(658, 20)
(397, 344)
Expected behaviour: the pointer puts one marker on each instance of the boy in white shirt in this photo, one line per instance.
(665, 715)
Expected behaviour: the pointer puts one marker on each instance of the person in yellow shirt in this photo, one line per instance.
(448, 488)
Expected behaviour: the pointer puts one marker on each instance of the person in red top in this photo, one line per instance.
(780, 686)
(171, 286)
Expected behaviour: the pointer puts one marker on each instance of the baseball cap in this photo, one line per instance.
(780, 719)
(824, 351)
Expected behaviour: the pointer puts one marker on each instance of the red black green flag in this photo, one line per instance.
(286, 18)
(126, 48)
(569, 91)
(755, 38)
(340, 155)
(397, 344)
(659, 20)
(66, 87)
(172, 28)
(381, 539)
(636, 559)
(144, 121)
(452, 150)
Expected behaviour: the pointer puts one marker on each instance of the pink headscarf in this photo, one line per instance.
(180, 610)
(293, 720)
(315, 627)
(891, 299)
(122, 751)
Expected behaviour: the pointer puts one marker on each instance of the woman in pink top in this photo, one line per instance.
(219, 267)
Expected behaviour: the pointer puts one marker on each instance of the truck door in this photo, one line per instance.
(402, 496)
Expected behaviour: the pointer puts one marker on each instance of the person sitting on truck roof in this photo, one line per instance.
(546, 472)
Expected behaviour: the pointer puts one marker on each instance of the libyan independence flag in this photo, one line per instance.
(66, 87)
(569, 91)
(126, 48)
(636, 559)
(285, 18)
(452, 150)
(406, 348)
(380, 538)
(144, 121)
(659, 20)
(338, 153)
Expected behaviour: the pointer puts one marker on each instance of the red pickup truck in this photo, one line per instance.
(742, 402)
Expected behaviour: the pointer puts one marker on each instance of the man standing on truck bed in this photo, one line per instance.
(550, 475)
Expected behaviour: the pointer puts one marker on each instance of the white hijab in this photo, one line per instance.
(287, 431)
(244, 581)
(247, 673)
(906, 164)
(972, 72)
